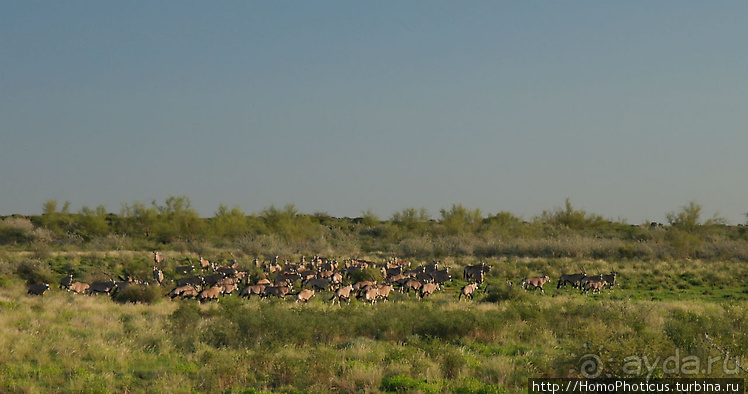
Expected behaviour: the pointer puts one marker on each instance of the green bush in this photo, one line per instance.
(498, 292)
(33, 271)
(139, 294)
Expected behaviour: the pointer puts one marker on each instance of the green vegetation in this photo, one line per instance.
(682, 297)
(89, 343)
(410, 233)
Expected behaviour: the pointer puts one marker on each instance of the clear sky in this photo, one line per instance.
(631, 109)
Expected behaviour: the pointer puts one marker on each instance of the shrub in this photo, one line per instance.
(35, 272)
(497, 292)
(138, 294)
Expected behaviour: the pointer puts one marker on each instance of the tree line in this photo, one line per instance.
(411, 232)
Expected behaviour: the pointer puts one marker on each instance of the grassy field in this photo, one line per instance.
(678, 318)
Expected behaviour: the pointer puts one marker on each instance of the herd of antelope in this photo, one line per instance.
(341, 282)
(579, 281)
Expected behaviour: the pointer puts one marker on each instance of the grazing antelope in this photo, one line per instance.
(304, 295)
(186, 291)
(229, 288)
(257, 289)
(536, 283)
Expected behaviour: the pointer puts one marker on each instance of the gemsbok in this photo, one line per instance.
(535, 283)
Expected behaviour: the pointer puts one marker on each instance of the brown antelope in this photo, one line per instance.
(383, 291)
(158, 258)
(428, 289)
(304, 295)
(186, 291)
(411, 285)
(205, 264)
(210, 293)
(536, 283)
(343, 293)
(253, 289)
(369, 295)
(467, 291)
(595, 283)
(79, 287)
(588, 281)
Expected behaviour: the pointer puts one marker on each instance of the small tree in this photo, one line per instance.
(412, 219)
(229, 223)
(460, 219)
(370, 219)
(92, 222)
(571, 218)
(688, 217)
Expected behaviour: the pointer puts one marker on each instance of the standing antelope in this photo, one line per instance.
(610, 279)
(158, 275)
(157, 257)
(206, 264)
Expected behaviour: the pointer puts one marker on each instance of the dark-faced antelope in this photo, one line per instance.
(158, 275)
(66, 282)
(38, 289)
(573, 279)
(610, 279)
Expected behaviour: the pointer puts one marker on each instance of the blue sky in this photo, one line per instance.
(629, 109)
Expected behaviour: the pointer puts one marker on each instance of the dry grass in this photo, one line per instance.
(81, 343)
